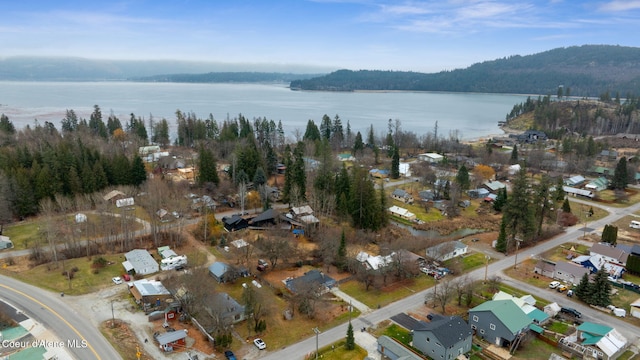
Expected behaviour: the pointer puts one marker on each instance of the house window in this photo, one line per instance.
(475, 318)
(492, 327)
(481, 331)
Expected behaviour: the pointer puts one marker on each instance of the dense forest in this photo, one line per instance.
(585, 71)
(227, 77)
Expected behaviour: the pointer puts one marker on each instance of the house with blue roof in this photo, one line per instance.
(500, 322)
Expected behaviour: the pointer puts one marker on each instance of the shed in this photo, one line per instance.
(80, 218)
(173, 339)
(222, 272)
(635, 308)
(5, 242)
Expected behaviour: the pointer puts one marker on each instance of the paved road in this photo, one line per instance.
(51, 311)
(300, 349)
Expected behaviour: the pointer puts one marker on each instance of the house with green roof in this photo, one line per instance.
(601, 341)
(499, 322)
(598, 184)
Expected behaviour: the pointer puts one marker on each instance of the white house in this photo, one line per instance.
(430, 157)
(401, 212)
(635, 308)
(447, 250)
(140, 262)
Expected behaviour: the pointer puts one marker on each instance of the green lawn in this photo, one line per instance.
(22, 233)
(399, 333)
(535, 349)
(337, 351)
(558, 327)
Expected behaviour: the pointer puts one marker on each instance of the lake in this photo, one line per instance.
(471, 115)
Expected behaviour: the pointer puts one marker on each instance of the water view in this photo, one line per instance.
(472, 115)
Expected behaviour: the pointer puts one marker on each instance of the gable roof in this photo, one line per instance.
(267, 215)
(507, 312)
(310, 277)
(398, 349)
(609, 251)
(399, 193)
(449, 330)
(218, 269)
(570, 268)
(171, 336)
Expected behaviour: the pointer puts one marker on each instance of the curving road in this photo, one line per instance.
(329, 336)
(80, 338)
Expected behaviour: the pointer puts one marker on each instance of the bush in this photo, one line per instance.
(74, 269)
(99, 263)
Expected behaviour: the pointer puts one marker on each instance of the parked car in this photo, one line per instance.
(229, 355)
(562, 288)
(570, 293)
(117, 280)
(571, 311)
(554, 284)
(126, 277)
(260, 344)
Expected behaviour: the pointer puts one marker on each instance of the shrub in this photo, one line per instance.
(99, 263)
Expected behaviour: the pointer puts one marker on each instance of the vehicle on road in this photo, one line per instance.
(260, 344)
(554, 284)
(571, 311)
(229, 355)
(570, 293)
(117, 280)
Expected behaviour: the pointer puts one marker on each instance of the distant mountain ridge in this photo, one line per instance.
(228, 77)
(587, 70)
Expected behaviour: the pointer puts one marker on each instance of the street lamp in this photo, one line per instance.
(317, 331)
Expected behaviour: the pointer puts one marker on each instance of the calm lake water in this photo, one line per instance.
(472, 115)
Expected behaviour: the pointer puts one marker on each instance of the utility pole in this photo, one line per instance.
(486, 267)
(317, 331)
(515, 264)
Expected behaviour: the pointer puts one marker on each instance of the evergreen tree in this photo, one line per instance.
(207, 168)
(350, 343)
(517, 212)
(610, 234)
(371, 139)
(260, 178)
(288, 176)
(138, 172)
(559, 194)
(395, 163)
(299, 172)
(601, 293)
(341, 259)
(514, 155)
(311, 133)
(325, 127)
(358, 145)
(462, 178)
(6, 126)
(364, 207)
(501, 243)
(501, 200)
(343, 192)
(541, 199)
(566, 207)
(620, 175)
(584, 288)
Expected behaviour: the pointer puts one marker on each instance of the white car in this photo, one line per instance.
(117, 280)
(260, 344)
(554, 284)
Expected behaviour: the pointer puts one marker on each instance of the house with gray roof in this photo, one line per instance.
(139, 261)
(150, 293)
(401, 195)
(499, 322)
(172, 340)
(569, 272)
(610, 253)
(226, 307)
(447, 250)
(222, 272)
(311, 280)
(443, 338)
(394, 350)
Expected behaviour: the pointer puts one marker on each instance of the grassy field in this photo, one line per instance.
(84, 281)
(381, 297)
(337, 351)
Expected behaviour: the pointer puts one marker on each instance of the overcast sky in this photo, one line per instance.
(424, 36)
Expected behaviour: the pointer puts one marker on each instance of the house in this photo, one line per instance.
(266, 218)
(165, 252)
(401, 195)
(544, 268)
(596, 262)
(478, 193)
(575, 181)
(494, 186)
(172, 340)
(150, 293)
(313, 280)
(447, 250)
(377, 262)
(346, 157)
(569, 272)
(444, 338)
(528, 305)
(598, 184)
(426, 195)
(530, 136)
(609, 253)
(499, 321)
(601, 341)
(113, 195)
(226, 308)
(80, 218)
(5, 242)
(303, 214)
(635, 308)
(139, 261)
(379, 173)
(394, 350)
(401, 212)
(222, 272)
(578, 192)
(234, 222)
(608, 155)
(432, 158)
(513, 169)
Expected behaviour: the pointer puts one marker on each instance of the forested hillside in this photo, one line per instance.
(605, 116)
(586, 70)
